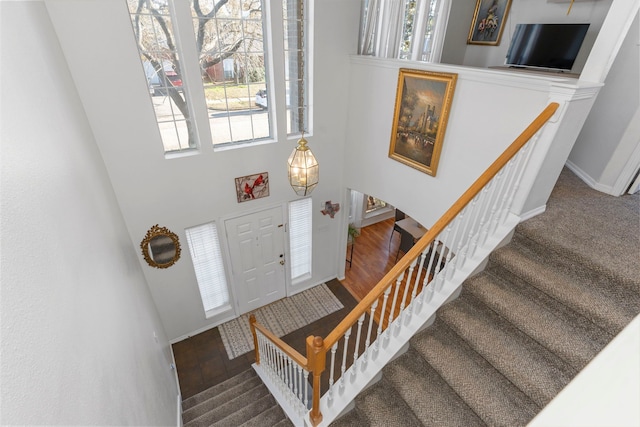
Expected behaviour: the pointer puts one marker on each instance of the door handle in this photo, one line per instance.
(282, 262)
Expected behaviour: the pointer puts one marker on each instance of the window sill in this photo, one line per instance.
(217, 311)
(180, 154)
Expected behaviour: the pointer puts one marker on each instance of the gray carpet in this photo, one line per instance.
(546, 304)
(240, 401)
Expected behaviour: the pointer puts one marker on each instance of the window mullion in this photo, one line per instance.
(190, 64)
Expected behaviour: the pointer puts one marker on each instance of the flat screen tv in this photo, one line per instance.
(546, 46)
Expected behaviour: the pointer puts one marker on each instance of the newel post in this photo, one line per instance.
(252, 325)
(316, 358)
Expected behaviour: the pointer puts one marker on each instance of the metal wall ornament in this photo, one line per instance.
(160, 247)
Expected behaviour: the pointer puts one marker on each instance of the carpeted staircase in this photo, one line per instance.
(544, 306)
(239, 401)
(519, 331)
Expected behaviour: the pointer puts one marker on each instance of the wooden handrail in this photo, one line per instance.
(317, 347)
(286, 348)
(389, 278)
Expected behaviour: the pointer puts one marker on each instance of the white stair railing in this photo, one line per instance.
(404, 301)
(284, 371)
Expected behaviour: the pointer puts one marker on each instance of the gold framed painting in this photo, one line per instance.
(488, 22)
(423, 102)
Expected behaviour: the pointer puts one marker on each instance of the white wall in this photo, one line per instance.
(522, 11)
(489, 110)
(180, 193)
(602, 150)
(78, 320)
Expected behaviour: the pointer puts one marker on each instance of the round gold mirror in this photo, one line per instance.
(160, 247)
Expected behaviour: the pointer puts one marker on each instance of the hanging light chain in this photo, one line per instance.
(301, 59)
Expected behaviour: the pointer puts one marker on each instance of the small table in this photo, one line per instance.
(412, 226)
(351, 242)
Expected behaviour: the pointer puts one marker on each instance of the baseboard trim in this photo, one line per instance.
(179, 406)
(607, 189)
(203, 329)
(533, 212)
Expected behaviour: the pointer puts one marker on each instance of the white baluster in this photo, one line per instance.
(393, 307)
(450, 268)
(354, 371)
(381, 321)
(301, 396)
(281, 382)
(367, 342)
(476, 226)
(272, 361)
(418, 305)
(465, 236)
(403, 302)
(428, 284)
(306, 389)
(343, 368)
(499, 200)
(504, 194)
(334, 348)
(294, 380)
(445, 248)
(495, 190)
(299, 379)
(528, 150)
(290, 380)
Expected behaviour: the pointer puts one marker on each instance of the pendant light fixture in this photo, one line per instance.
(304, 172)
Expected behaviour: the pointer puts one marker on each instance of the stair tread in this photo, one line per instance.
(217, 389)
(251, 409)
(563, 331)
(596, 301)
(531, 367)
(381, 406)
(219, 399)
(582, 233)
(231, 407)
(486, 391)
(584, 269)
(270, 417)
(350, 419)
(284, 423)
(428, 395)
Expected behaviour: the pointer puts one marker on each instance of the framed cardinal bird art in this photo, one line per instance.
(252, 187)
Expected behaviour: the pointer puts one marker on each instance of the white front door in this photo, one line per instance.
(256, 246)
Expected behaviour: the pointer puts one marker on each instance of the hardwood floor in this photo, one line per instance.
(373, 257)
(202, 360)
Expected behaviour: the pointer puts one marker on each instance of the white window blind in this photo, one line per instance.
(300, 222)
(207, 262)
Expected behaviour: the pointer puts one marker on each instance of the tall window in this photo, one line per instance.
(296, 64)
(154, 32)
(220, 47)
(204, 248)
(408, 29)
(232, 60)
(300, 231)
